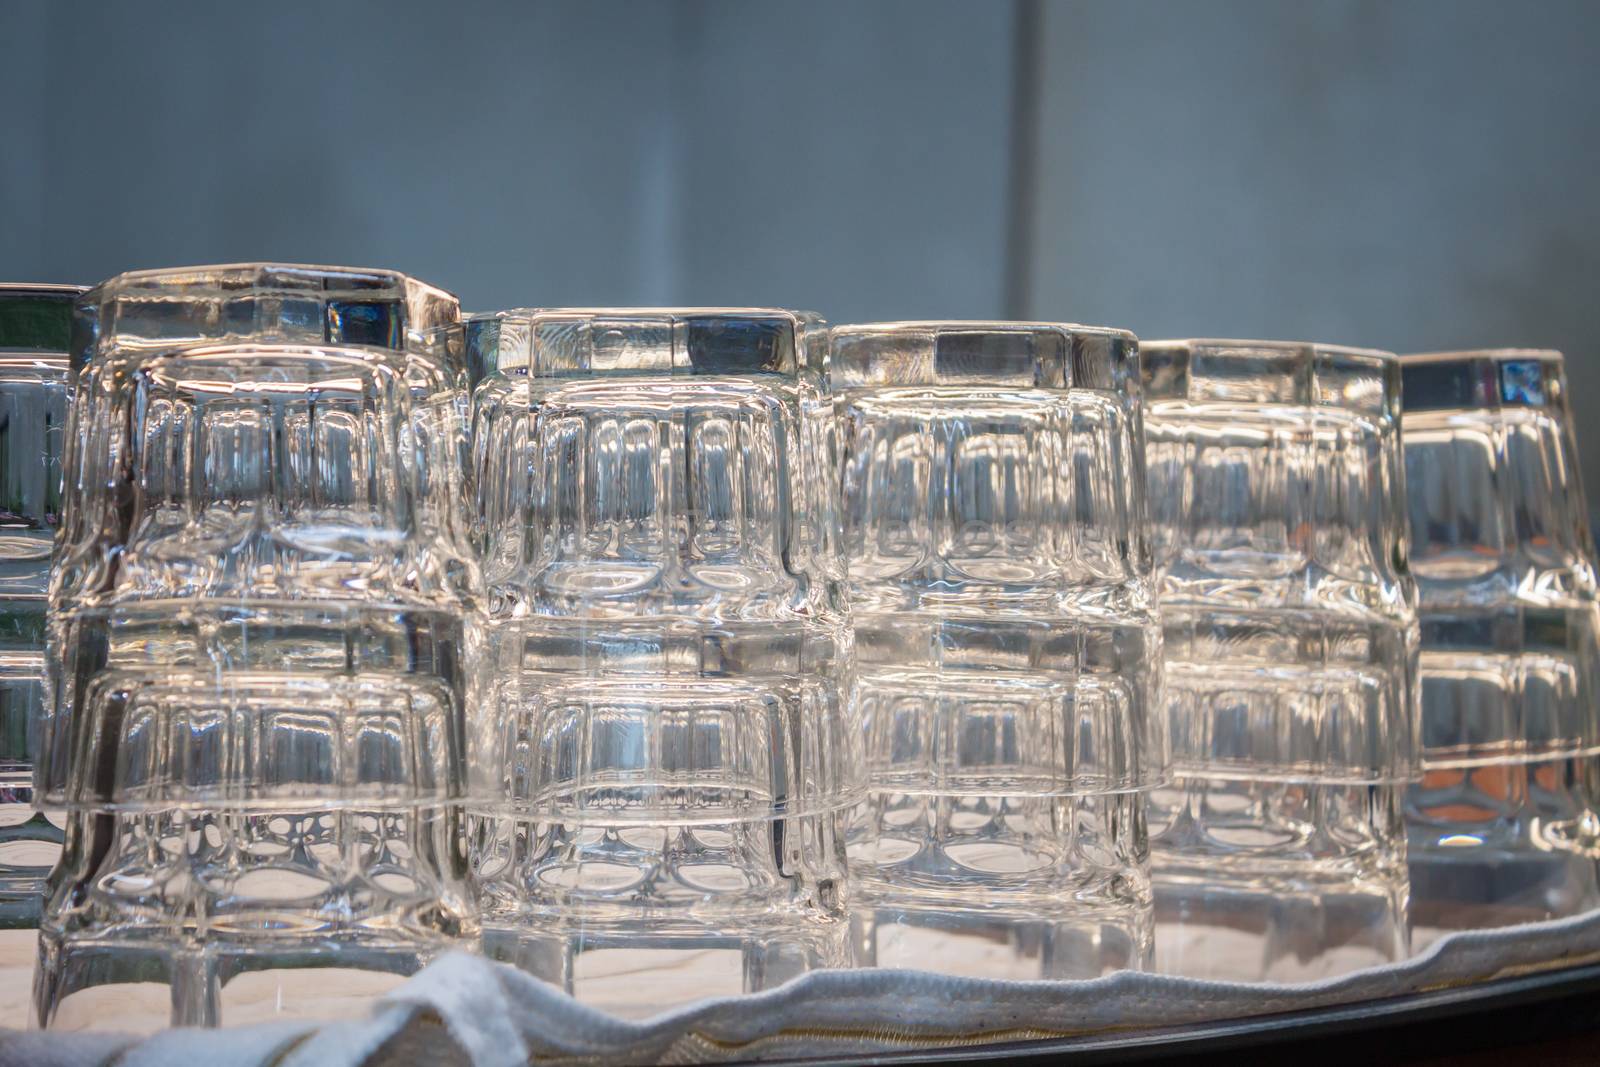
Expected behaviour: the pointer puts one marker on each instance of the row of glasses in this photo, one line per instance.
(261, 629)
(676, 731)
(790, 648)
(1315, 824)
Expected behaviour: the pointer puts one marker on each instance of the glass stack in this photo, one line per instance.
(1503, 826)
(670, 741)
(1009, 652)
(1278, 512)
(35, 324)
(261, 646)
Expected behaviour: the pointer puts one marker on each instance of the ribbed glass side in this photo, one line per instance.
(1504, 826)
(34, 326)
(1009, 654)
(261, 679)
(1290, 642)
(672, 734)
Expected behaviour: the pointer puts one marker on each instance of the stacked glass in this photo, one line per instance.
(1279, 518)
(1008, 646)
(34, 327)
(669, 740)
(1503, 826)
(261, 644)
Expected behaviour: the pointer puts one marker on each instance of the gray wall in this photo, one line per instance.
(1407, 174)
(1412, 174)
(851, 158)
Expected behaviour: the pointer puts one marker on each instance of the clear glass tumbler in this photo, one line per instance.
(670, 740)
(268, 695)
(1278, 512)
(34, 327)
(262, 642)
(274, 303)
(1503, 827)
(1009, 653)
(127, 317)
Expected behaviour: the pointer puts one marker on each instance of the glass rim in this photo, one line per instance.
(243, 354)
(20, 359)
(1483, 379)
(162, 277)
(642, 311)
(1246, 345)
(421, 324)
(41, 289)
(1481, 355)
(998, 327)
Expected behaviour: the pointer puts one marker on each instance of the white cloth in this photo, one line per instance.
(498, 1016)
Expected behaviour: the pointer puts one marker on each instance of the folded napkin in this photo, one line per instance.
(490, 1015)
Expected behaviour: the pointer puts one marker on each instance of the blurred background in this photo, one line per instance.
(1412, 174)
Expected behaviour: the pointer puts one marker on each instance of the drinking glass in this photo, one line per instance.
(1503, 827)
(670, 739)
(34, 325)
(263, 642)
(1278, 512)
(1007, 644)
(132, 315)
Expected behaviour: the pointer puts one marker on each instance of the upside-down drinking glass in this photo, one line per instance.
(1278, 512)
(1008, 647)
(262, 643)
(1503, 827)
(34, 326)
(132, 315)
(669, 742)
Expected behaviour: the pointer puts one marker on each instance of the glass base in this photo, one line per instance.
(1267, 930)
(206, 918)
(1021, 947)
(643, 970)
(1458, 890)
(1502, 844)
(19, 951)
(82, 983)
(637, 917)
(30, 841)
(1002, 886)
(30, 845)
(1276, 881)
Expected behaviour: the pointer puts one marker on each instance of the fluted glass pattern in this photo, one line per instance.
(1278, 514)
(1503, 826)
(671, 735)
(263, 643)
(1009, 658)
(34, 327)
